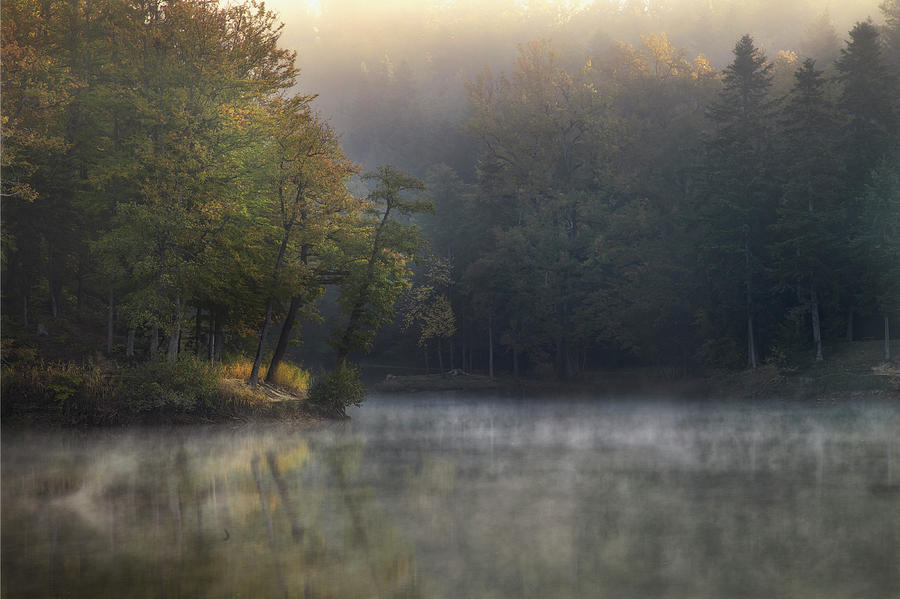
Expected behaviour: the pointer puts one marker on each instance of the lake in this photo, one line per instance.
(452, 497)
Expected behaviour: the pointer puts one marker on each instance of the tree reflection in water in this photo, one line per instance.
(170, 515)
(460, 498)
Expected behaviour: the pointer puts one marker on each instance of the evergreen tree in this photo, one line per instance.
(739, 196)
(891, 33)
(868, 100)
(876, 244)
(808, 213)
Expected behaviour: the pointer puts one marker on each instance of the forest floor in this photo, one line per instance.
(851, 370)
(269, 402)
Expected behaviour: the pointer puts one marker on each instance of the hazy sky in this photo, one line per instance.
(347, 48)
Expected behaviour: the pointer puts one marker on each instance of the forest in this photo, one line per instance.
(173, 203)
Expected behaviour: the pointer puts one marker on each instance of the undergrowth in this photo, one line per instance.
(107, 393)
(290, 377)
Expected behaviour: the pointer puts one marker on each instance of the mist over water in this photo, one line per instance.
(450, 497)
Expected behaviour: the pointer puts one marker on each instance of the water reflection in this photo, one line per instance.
(463, 498)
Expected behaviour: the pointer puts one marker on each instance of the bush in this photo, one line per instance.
(338, 389)
(185, 385)
(75, 391)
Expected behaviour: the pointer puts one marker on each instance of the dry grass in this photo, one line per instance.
(289, 377)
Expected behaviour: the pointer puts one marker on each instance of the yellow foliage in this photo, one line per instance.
(289, 376)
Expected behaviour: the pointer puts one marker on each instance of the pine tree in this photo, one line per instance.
(868, 100)
(739, 194)
(876, 243)
(868, 97)
(809, 209)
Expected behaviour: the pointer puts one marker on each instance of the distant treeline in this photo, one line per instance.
(645, 209)
(164, 191)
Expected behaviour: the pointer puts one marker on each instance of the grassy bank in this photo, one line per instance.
(103, 392)
(851, 370)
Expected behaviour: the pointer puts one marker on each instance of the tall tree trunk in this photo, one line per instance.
(25, 310)
(451, 353)
(154, 341)
(79, 290)
(440, 357)
(270, 307)
(817, 331)
(887, 339)
(751, 343)
(220, 335)
(427, 365)
(260, 348)
(850, 323)
(515, 353)
(54, 303)
(198, 329)
(211, 338)
(357, 312)
(174, 338)
(490, 345)
(172, 349)
(110, 321)
(283, 339)
(129, 344)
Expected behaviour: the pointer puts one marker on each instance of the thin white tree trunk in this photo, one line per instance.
(154, 341)
(817, 330)
(110, 322)
(174, 338)
(490, 346)
(751, 343)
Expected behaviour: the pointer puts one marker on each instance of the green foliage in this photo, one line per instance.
(156, 171)
(427, 308)
(78, 392)
(869, 101)
(337, 389)
(184, 385)
(377, 258)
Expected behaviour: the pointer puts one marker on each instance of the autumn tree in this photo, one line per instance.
(309, 172)
(378, 253)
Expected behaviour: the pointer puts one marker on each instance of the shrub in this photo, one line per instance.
(338, 389)
(184, 385)
(77, 391)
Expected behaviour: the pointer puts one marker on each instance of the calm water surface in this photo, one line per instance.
(442, 497)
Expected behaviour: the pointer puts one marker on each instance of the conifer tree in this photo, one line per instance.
(868, 105)
(809, 209)
(739, 194)
(868, 100)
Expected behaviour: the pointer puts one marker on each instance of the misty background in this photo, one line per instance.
(391, 76)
